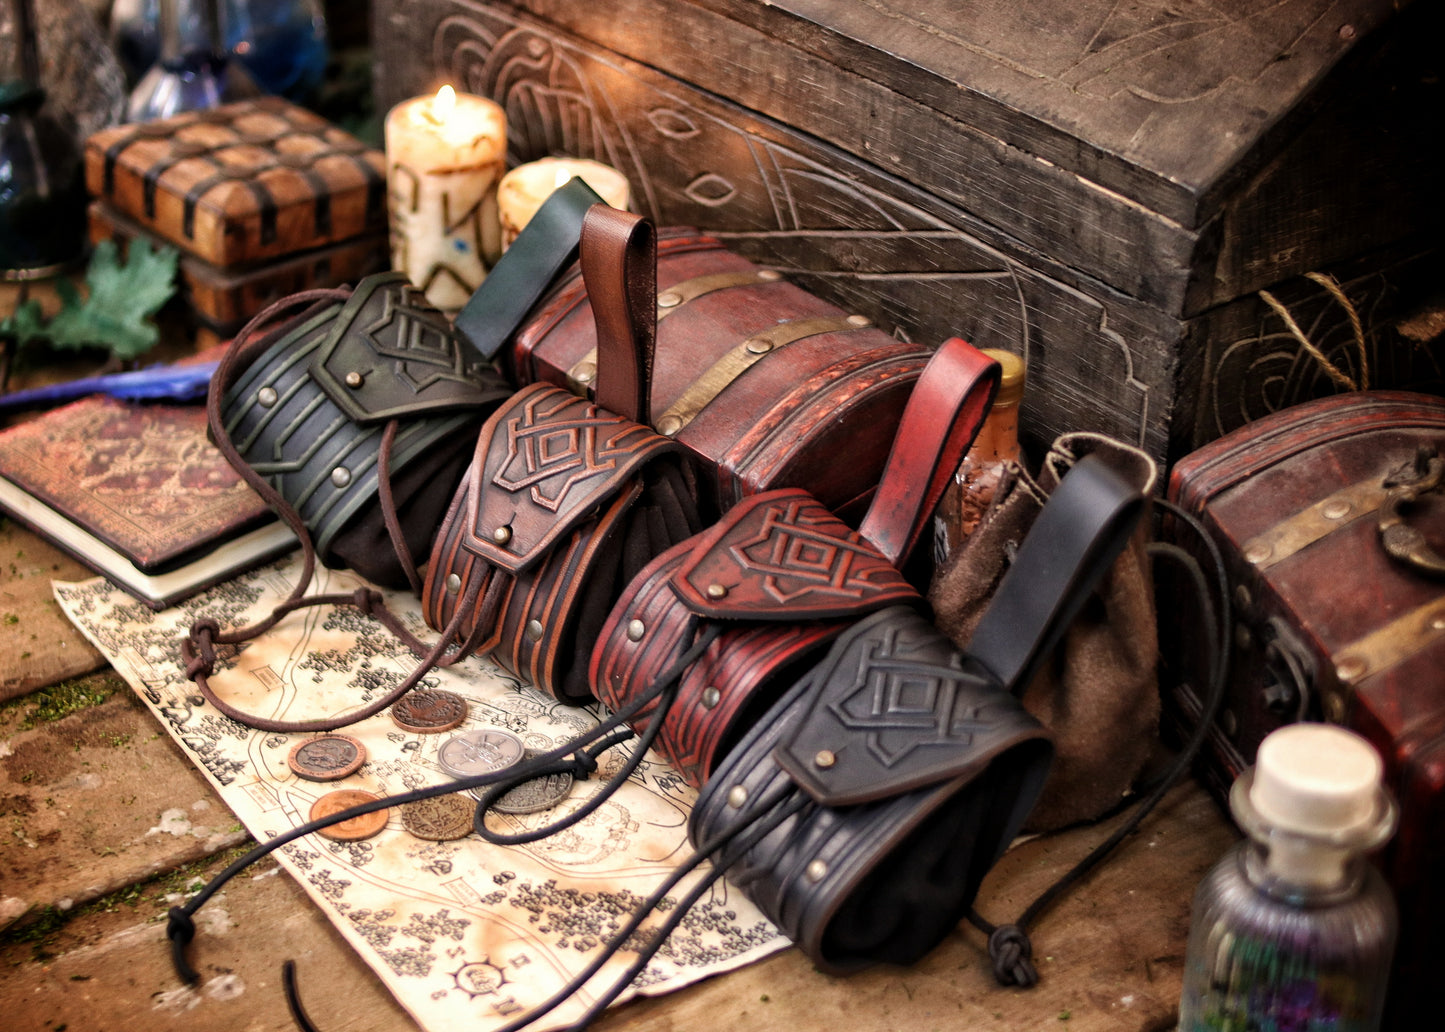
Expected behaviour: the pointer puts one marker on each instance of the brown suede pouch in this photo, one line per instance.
(1099, 693)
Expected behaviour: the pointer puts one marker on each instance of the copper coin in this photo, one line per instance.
(429, 711)
(326, 757)
(535, 795)
(480, 751)
(440, 818)
(355, 828)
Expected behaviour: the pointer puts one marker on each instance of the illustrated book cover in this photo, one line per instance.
(138, 493)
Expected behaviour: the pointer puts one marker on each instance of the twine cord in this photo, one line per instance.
(1334, 372)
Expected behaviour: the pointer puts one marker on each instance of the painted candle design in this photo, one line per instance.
(444, 158)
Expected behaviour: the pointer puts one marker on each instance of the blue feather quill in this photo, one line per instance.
(178, 383)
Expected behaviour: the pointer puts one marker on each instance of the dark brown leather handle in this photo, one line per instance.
(619, 267)
(944, 414)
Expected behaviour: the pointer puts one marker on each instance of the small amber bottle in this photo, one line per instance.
(967, 498)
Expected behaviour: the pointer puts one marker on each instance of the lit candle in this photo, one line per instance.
(444, 156)
(523, 189)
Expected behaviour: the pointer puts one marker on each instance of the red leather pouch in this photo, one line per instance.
(780, 576)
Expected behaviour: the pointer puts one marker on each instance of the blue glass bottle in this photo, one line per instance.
(194, 71)
(284, 44)
(1293, 930)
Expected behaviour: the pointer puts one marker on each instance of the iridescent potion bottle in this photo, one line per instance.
(1293, 929)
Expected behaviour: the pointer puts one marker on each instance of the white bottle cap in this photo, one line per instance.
(1317, 780)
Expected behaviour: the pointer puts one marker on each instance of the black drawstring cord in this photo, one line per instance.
(1009, 946)
(664, 690)
(180, 927)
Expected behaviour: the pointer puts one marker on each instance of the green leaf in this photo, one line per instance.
(123, 297)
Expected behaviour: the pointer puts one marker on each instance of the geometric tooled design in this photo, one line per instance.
(803, 551)
(418, 339)
(902, 705)
(556, 441)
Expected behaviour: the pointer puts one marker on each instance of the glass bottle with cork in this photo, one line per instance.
(968, 496)
(1293, 928)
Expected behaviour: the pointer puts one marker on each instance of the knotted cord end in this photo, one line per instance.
(1012, 954)
(180, 930)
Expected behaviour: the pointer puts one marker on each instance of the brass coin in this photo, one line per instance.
(535, 795)
(428, 711)
(353, 829)
(326, 757)
(440, 818)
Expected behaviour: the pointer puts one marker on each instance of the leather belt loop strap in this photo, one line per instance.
(547, 245)
(619, 266)
(1086, 523)
(943, 416)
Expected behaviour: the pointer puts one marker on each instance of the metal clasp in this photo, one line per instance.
(1404, 487)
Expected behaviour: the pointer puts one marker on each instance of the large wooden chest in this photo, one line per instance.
(1328, 624)
(1101, 189)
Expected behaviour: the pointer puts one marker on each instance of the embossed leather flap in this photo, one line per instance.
(781, 555)
(548, 460)
(390, 354)
(895, 707)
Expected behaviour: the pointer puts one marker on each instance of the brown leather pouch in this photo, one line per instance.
(565, 500)
(781, 576)
(1099, 694)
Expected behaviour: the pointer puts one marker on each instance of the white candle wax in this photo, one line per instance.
(444, 157)
(523, 189)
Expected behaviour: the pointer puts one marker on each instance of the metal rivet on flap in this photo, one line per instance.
(454, 584)
(354, 379)
(267, 397)
(340, 476)
(670, 299)
(770, 275)
(710, 697)
(669, 425)
(717, 591)
(534, 630)
(586, 372)
(859, 320)
(757, 346)
(816, 871)
(1335, 508)
(635, 630)
(824, 759)
(502, 535)
(1351, 668)
(1257, 552)
(737, 795)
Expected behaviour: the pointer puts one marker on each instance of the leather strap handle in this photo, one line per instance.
(619, 267)
(547, 245)
(1076, 537)
(944, 414)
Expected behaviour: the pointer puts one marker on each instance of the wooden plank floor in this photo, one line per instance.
(106, 825)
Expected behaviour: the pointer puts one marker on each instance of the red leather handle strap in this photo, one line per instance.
(619, 267)
(944, 414)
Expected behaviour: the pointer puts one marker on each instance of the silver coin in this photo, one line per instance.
(535, 795)
(480, 751)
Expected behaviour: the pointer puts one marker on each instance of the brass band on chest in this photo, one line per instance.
(581, 375)
(740, 359)
(1320, 520)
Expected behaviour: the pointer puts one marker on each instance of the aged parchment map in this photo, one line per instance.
(464, 933)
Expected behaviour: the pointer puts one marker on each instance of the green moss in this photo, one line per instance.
(59, 700)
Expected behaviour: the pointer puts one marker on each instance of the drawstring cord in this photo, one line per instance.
(1009, 946)
(180, 926)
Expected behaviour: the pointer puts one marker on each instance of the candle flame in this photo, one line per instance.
(444, 103)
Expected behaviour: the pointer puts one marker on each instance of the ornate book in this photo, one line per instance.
(138, 493)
